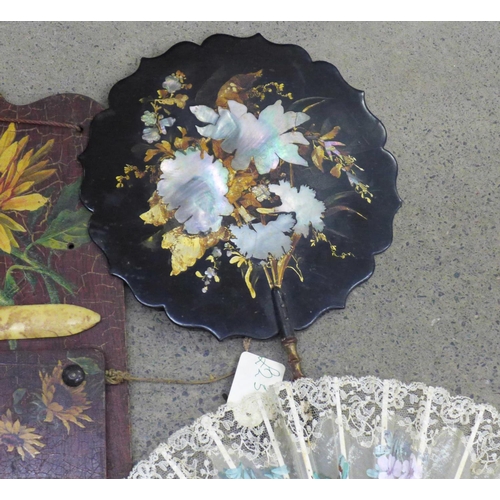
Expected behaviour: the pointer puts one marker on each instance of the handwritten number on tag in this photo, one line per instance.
(254, 374)
(265, 370)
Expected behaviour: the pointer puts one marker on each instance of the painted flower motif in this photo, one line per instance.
(259, 241)
(389, 467)
(63, 402)
(308, 210)
(172, 84)
(331, 148)
(195, 187)
(265, 139)
(412, 468)
(149, 118)
(395, 460)
(210, 272)
(163, 123)
(150, 135)
(240, 472)
(19, 173)
(156, 125)
(18, 437)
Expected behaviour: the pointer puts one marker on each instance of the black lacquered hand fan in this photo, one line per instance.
(240, 186)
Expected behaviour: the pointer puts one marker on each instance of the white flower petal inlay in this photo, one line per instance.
(260, 241)
(196, 187)
(265, 139)
(172, 84)
(307, 209)
(150, 135)
(204, 114)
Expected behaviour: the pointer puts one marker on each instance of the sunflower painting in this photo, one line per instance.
(46, 426)
(34, 222)
(63, 402)
(16, 436)
(20, 171)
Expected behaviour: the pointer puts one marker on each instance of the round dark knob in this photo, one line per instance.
(73, 375)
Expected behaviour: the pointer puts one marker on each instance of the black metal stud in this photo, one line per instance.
(73, 375)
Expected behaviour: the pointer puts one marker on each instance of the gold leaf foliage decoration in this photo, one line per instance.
(237, 88)
(158, 214)
(187, 249)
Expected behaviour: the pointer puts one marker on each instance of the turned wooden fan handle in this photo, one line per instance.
(290, 346)
(289, 341)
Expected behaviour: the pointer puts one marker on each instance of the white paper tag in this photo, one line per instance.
(254, 374)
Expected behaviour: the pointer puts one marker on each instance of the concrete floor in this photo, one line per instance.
(430, 312)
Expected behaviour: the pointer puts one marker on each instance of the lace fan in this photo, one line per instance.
(336, 428)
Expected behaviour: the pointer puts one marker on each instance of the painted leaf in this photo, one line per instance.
(341, 208)
(31, 279)
(46, 272)
(56, 278)
(90, 367)
(67, 200)
(179, 100)
(17, 398)
(51, 290)
(338, 196)
(18, 395)
(318, 155)
(330, 135)
(68, 228)
(336, 170)
(10, 287)
(165, 148)
(34, 217)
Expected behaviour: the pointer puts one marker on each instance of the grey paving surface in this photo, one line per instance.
(431, 311)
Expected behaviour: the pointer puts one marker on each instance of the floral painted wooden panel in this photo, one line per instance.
(46, 255)
(49, 429)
